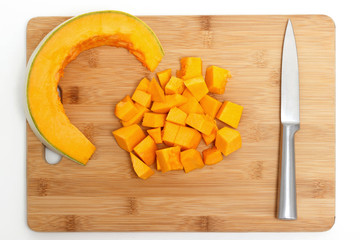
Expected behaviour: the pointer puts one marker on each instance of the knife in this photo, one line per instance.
(290, 124)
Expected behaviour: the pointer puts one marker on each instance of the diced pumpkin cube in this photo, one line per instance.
(228, 140)
(141, 97)
(211, 137)
(200, 123)
(164, 77)
(125, 109)
(187, 138)
(197, 87)
(137, 118)
(230, 113)
(210, 105)
(146, 150)
(216, 79)
(177, 116)
(191, 159)
(192, 105)
(157, 93)
(169, 133)
(171, 101)
(141, 169)
(154, 120)
(190, 67)
(169, 159)
(143, 85)
(128, 137)
(212, 156)
(175, 85)
(155, 133)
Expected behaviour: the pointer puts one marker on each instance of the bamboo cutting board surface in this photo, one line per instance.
(239, 193)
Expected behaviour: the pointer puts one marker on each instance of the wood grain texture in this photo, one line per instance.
(238, 194)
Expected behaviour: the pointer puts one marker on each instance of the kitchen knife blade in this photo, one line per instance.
(290, 124)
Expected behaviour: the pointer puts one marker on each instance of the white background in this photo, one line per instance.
(13, 19)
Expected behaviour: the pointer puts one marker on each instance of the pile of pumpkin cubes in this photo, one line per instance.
(177, 113)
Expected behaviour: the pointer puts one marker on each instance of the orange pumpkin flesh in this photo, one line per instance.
(185, 122)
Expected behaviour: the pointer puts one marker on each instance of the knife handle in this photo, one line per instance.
(287, 197)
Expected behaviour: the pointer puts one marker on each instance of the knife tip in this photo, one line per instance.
(289, 26)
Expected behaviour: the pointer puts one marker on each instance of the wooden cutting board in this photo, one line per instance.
(238, 194)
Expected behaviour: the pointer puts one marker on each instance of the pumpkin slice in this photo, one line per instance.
(44, 111)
